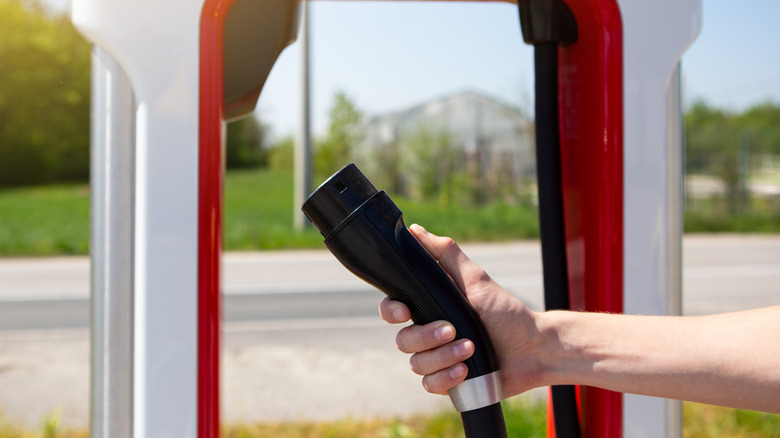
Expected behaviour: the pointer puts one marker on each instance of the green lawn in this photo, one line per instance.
(54, 220)
(43, 221)
(523, 419)
(706, 421)
(259, 212)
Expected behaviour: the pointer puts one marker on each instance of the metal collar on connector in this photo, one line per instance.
(477, 392)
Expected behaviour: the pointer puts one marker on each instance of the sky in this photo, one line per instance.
(388, 56)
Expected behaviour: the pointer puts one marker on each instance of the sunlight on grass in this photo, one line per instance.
(704, 421)
(44, 220)
(258, 215)
(524, 418)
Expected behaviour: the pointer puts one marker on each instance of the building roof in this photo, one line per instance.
(468, 116)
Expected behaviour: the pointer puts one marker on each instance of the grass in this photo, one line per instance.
(262, 219)
(259, 212)
(50, 428)
(54, 220)
(523, 419)
(48, 220)
(705, 421)
(45, 221)
(757, 215)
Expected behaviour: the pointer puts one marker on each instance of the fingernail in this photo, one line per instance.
(398, 314)
(444, 333)
(462, 349)
(420, 228)
(458, 371)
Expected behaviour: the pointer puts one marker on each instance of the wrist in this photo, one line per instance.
(560, 353)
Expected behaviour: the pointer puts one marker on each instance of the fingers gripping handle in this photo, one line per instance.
(364, 229)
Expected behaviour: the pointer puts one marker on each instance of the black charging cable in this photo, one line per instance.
(548, 24)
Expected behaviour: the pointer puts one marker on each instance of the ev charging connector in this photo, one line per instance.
(365, 230)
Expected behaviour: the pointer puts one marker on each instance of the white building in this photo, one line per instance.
(490, 142)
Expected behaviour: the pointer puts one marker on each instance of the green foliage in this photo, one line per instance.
(725, 144)
(523, 419)
(336, 149)
(52, 424)
(282, 154)
(246, 144)
(704, 421)
(711, 132)
(427, 164)
(495, 221)
(713, 145)
(258, 215)
(716, 219)
(44, 96)
(706, 136)
(431, 159)
(762, 121)
(50, 428)
(387, 167)
(262, 219)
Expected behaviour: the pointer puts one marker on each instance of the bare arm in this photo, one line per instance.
(729, 359)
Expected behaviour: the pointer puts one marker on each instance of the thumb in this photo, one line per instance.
(451, 258)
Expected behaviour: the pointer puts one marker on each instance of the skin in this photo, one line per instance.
(730, 359)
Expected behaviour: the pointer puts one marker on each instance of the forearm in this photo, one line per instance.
(730, 359)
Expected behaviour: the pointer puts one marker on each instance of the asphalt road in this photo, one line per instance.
(721, 273)
(301, 338)
(286, 285)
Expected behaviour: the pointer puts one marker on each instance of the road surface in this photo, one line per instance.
(301, 336)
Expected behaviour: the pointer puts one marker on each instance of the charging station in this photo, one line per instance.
(623, 179)
(166, 77)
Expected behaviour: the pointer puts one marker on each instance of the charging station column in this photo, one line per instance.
(190, 68)
(156, 45)
(655, 36)
(621, 147)
(590, 83)
(111, 248)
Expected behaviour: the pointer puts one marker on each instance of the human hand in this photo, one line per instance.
(660, 356)
(512, 327)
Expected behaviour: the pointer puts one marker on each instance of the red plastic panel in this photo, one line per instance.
(211, 183)
(591, 118)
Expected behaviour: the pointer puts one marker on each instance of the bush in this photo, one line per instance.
(44, 97)
(245, 144)
(280, 157)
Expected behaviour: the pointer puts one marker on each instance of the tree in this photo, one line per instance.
(713, 141)
(44, 96)
(386, 164)
(762, 121)
(245, 144)
(335, 150)
(708, 133)
(280, 156)
(433, 161)
(721, 143)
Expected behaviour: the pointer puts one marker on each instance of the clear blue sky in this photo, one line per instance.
(388, 56)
